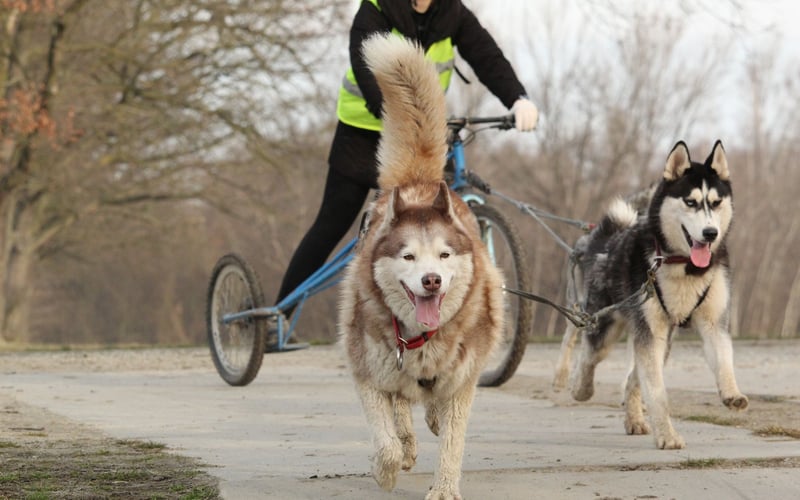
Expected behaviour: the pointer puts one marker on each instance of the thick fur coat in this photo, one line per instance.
(419, 265)
(678, 232)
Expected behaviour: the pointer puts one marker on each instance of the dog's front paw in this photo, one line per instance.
(386, 464)
(736, 402)
(560, 379)
(409, 452)
(583, 391)
(583, 383)
(671, 441)
(443, 494)
(636, 425)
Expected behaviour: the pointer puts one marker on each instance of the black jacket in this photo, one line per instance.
(445, 18)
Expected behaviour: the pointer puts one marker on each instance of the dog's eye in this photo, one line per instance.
(408, 256)
(444, 255)
(690, 202)
(716, 203)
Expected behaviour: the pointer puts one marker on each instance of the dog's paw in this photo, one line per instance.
(671, 441)
(582, 392)
(636, 426)
(409, 452)
(386, 465)
(560, 380)
(443, 494)
(582, 383)
(736, 402)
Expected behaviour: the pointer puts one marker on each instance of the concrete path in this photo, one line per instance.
(298, 432)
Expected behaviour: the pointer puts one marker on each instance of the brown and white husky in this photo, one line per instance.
(421, 303)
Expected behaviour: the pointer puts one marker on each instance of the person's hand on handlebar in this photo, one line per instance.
(526, 115)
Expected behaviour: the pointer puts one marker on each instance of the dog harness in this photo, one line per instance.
(674, 259)
(412, 343)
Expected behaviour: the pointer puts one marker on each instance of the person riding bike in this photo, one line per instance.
(439, 26)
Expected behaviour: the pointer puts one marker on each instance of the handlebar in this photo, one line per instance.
(456, 125)
(504, 122)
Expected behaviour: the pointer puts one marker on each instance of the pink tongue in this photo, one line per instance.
(701, 254)
(428, 310)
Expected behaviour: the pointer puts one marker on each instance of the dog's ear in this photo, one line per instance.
(718, 162)
(442, 201)
(678, 162)
(394, 207)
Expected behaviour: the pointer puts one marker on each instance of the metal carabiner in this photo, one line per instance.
(399, 352)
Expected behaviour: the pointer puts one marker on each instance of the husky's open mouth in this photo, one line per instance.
(700, 253)
(427, 307)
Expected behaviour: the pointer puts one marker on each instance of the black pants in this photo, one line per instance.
(351, 175)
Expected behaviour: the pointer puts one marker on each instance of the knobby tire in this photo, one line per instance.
(235, 287)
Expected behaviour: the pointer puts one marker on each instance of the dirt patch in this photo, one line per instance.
(48, 456)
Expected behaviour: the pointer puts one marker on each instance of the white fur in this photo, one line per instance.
(389, 272)
(677, 216)
(622, 213)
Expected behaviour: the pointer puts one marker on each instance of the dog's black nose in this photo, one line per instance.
(710, 234)
(431, 282)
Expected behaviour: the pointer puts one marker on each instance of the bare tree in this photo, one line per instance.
(140, 103)
(768, 233)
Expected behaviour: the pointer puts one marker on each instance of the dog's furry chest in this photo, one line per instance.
(681, 295)
(432, 368)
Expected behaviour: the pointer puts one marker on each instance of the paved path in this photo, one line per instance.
(297, 431)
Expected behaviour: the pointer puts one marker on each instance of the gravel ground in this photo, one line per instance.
(770, 411)
(105, 360)
(47, 456)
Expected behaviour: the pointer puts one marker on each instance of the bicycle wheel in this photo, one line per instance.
(506, 249)
(237, 348)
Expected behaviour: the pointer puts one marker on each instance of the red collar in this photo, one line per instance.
(669, 259)
(412, 343)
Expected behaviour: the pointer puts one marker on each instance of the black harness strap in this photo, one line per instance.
(683, 323)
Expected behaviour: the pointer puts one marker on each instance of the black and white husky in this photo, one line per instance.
(681, 238)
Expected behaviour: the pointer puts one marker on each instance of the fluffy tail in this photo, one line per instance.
(622, 214)
(413, 146)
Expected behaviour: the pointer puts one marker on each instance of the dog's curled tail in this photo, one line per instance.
(622, 214)
(413, 146)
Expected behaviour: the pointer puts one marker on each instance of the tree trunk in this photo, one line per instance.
(791, 315)
(17, 258)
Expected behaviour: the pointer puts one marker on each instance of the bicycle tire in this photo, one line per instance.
(510, 256)
(237, 348)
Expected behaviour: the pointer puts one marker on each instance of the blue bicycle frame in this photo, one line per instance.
(329, 274)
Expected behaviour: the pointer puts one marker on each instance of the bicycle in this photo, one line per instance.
(237, 315)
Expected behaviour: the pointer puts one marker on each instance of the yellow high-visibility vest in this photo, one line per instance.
(351, 107)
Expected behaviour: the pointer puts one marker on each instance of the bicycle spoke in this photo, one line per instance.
(236, 346)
